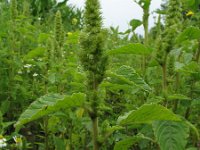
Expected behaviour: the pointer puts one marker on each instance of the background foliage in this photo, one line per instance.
(147, 86)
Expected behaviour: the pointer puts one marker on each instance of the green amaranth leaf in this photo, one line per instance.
(48, 104)
(147, 114)
(135, 23)
(127, 77)
(38, 52)
(137, 48)
(171, 135)
(126, 143)
(190, 33)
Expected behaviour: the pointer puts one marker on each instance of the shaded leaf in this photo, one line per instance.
(190, 33)
(178, 97)
(126, 143)
(171, 135)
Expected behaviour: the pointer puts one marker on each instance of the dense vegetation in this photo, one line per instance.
(67, 83)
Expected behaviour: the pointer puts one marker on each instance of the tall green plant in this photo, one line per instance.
(172, 28)
(93, 59)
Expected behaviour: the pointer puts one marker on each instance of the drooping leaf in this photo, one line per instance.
(135, 23)
(136, 48)
(126, 77)
(171, 135)
(126, 143)
(193, 128)
(48, 104)
(147, 114)
(190, 33)
(38, 52)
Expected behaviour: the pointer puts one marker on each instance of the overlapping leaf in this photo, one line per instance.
(126, 78)
(137, 48)
(190, 33)
(171, 135)
(126, 143)
(148, 113)
(48, 104)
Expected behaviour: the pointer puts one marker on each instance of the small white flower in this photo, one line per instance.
(27, 66)
(39, 18)
(35, 75)
(2, 145)
(19, 72)
(2, 142)
(108, 78)
(39, 59)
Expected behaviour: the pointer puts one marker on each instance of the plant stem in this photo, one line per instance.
(146, 35)
(177, 85)
(198, 53)
(177, 89)
(164, 71)
(95, 133)
(188, 111)
(46, 133)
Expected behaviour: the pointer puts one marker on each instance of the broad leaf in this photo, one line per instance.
(136, 48)
(126, 143)
(171, 135)
(48, 104)
(135, 23)
(190, 33)
(147, 114)
(38, 52)
(127, 78)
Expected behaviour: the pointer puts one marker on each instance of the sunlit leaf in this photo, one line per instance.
(138, 49)
(147, 114)
(48, 104)
(135, 23)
